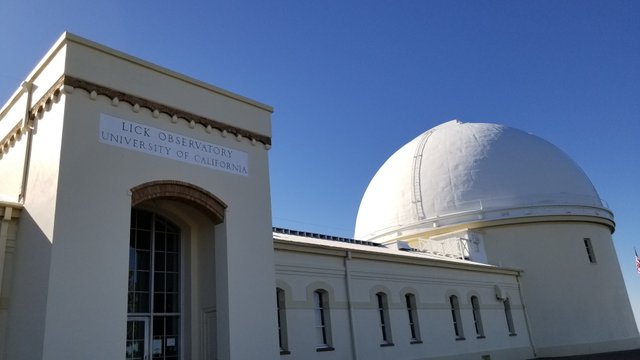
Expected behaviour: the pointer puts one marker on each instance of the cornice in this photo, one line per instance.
(400, 258)
(67, 84)
(157, 108)
(70, 38)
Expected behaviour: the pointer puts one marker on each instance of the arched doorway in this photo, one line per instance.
(154, 289)
(171, 285)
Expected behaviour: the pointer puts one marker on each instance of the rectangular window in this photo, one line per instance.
(412, 311)
(455, 314)
(383, 312)
(154, 288)
(590, 253)
(321, 309)
(477, 319)
(282, 322)
(507, 313)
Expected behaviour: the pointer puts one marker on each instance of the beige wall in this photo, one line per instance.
(72, 255)
(573, 306)
(28, 301)
(9, 215)
(299, 273)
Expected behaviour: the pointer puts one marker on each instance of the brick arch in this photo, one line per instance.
(183, 192)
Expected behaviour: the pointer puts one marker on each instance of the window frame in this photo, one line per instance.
(477, 317)
(321, 311)
(152, 233)
(382, 303)
(283, 340)
(591, 255)
(412, 313)
(509, 317)
(457, 319)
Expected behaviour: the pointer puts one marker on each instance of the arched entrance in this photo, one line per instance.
(171, 285)
(183, 192)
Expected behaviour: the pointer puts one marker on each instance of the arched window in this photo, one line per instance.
(153, 305)
(383, 313)
(477, 319)
(282, 322)
(507, 313)
(322, 320)
(455, 314)
(412, 311)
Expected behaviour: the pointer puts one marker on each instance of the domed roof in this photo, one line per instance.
(460, 172)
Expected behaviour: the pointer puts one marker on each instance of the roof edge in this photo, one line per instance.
(70, 37)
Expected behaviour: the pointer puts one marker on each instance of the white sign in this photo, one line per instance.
(156, 348)
(154, 141)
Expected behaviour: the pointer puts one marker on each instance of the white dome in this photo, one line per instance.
(459, 172)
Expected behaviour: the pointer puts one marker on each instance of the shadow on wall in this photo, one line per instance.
(618, 355)
(28, 291)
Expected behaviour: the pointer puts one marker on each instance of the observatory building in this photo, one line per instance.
(135, 223)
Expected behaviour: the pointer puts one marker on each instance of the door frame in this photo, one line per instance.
(146, 321)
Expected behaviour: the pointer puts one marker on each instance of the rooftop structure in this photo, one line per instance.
(458, 173)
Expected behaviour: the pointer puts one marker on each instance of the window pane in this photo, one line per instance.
(142, 260)
(138, 329)
(172, 325)
(131, 302)
(132, 258)
(318, 315)
(158, 325)
(317, 298)
(141, 302)
(171, 348)
(161, 225)
(158, 282)
(320, 338)
(159, 261)
(158, 303)
(160, 242)
(166, 336)
(455, 314)
(413, 317)
(138, 349)
(172, 303)
(132, 280)
(143, 220)
(172, 242)
(143, 239)
(171, 282)
(507, 311)
(172, 262)
(142, 281)
(321, 322)
(132, 238)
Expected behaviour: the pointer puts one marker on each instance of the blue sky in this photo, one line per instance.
(352, 81)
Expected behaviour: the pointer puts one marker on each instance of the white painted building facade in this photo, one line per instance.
(135, 222)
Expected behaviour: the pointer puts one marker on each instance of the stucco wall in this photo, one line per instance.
(74, 240)
(575, 306)
(300, 273)
(9, 218)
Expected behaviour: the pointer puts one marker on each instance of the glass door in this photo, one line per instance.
(137, 338)
(154, 288)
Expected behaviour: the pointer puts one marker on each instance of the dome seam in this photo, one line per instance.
(416, 197)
